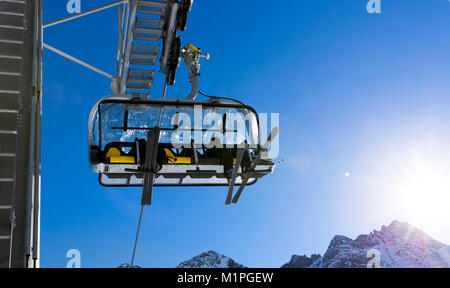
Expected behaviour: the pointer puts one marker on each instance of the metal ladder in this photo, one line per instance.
(148, 23)
(142, 24)
(12, 14)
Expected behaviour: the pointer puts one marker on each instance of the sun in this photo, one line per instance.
(424, 194)
(407, 177)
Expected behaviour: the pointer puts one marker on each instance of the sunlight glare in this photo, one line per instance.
(425, 194)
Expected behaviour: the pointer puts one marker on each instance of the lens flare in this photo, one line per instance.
(425, 194)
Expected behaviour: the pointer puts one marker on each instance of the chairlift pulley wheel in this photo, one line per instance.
(185, 7)
(173, 61)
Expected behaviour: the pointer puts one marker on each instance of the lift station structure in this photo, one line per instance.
(128, 131)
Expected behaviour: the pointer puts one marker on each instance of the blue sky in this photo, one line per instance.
(357, 93)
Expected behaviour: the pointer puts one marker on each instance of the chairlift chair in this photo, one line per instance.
(198, 143)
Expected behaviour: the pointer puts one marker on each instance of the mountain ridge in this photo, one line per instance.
(399, 245)
(210, 259)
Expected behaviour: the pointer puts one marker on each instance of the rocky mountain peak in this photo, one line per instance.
(210, 259)
(398, 245)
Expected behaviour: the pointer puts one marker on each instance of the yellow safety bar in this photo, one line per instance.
(115, 157)
(176, 160)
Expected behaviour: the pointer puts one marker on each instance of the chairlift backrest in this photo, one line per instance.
(181, 122)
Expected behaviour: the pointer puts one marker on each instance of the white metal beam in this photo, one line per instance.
(78, 61)
(128, 44)
(69, 18)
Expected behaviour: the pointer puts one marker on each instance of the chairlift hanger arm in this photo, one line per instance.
(191, 56)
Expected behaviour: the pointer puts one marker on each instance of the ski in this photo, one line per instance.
(232, 180)
(150, 166)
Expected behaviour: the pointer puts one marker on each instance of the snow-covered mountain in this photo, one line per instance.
(399, 245)
(210, 259)
(301, 261)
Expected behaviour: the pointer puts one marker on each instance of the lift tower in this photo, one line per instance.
(20, 131)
